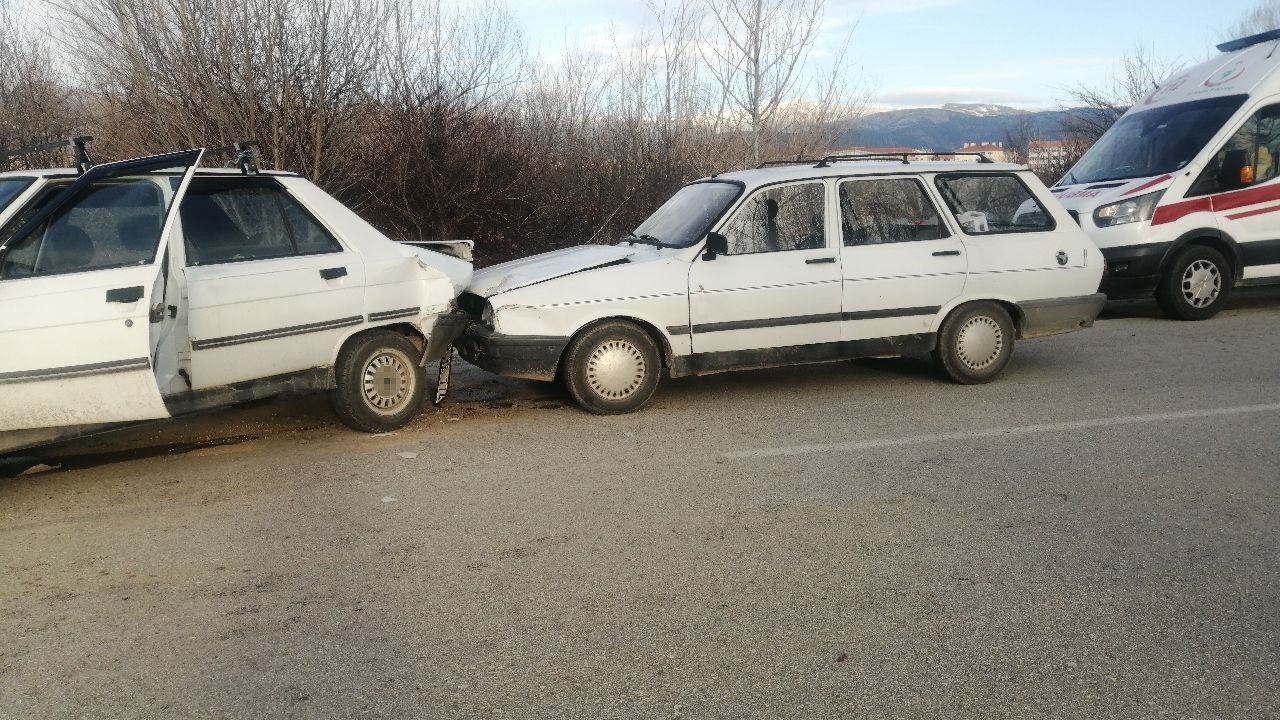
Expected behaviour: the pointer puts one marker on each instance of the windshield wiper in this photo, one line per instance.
(635, 239)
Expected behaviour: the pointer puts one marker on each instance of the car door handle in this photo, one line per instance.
(125, 295)
(945, 253)
(333, 273)
(819, 261)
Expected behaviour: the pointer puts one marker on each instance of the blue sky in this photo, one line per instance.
(1023, 53)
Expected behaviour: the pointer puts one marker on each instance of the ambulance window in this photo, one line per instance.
(1250, 157)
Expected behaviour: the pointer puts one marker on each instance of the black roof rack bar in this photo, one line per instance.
(246, 156)
(79, 146)
(797, 161)
(1250, 41)
(904, 157)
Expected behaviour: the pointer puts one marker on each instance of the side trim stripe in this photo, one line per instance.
(891, 313)
(1251, 213)
(802, 320)
(102, 368)
(277, 333)
(392, 314)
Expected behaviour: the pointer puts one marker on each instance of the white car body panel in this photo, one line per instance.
(724, 306)
(232, 324)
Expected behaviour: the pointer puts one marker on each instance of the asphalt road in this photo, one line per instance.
(1094, 535)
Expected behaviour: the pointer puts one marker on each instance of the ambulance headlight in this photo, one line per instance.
(1139, 209)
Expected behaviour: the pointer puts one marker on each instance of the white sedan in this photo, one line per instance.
(148, 288)
(849, 257)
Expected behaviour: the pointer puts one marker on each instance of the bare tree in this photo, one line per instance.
(35, 100)
(756, 52)
(1263, 16)
(1092, 110)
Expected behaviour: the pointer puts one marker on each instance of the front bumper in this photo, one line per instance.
(444, 330)
(1133, 270)
(532, 357)
(1043, 318)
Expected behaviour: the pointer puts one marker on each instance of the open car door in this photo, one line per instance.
(79, 268)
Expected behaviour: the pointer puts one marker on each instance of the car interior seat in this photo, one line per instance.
(139, 236)
(210, 235)
(66, 247)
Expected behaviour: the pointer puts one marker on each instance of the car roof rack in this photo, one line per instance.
(79, 146)
(1249, 41)
(777, 163)
(904, 157)
(246, 156)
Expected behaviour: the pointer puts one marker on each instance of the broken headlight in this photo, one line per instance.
(1139, 209)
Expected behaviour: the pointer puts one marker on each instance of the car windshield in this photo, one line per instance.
(687, 216)
(10, 188)
(1154, 142)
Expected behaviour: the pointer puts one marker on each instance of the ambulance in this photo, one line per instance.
(1182, 194)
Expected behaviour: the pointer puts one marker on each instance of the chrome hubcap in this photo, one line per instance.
(388, 381)
(979, 342)
(1201, 283)
(616, 369)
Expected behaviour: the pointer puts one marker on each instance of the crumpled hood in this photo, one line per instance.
(538, 268)
(1084, 197)
(457, 270)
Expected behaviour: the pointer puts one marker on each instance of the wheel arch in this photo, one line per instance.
(659, 338)
(1010, 306)
(1211, 238)
(407, 329)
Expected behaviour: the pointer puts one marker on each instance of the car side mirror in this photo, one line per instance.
(717, 244)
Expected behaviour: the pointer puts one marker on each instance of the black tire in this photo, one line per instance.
(1196, 284)
(975, 343)
(612, 368)
(380, 386)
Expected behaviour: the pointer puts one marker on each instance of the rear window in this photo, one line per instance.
(991, 203)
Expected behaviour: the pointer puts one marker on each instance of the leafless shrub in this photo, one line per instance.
(1094, 109)
(1263, 16)
(35, 103)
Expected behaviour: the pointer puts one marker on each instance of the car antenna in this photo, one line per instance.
(79, 146)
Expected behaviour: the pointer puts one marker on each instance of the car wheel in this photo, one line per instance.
(612, 368)
(975, 343)
(1196, 285)
(379, 384)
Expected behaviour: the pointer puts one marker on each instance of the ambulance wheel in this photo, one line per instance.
(1196, 284)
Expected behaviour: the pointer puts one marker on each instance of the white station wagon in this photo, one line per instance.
(148, 288)
(847, 257)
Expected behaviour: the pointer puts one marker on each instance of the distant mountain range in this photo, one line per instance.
(949, 127)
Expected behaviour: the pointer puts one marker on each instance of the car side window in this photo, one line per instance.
(236, 220)
(1251, 156)
(887, 210)
(775, 219)
(990, 204)
(113, 223)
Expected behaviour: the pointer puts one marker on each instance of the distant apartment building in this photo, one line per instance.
(1050, 154)
(993, 150)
